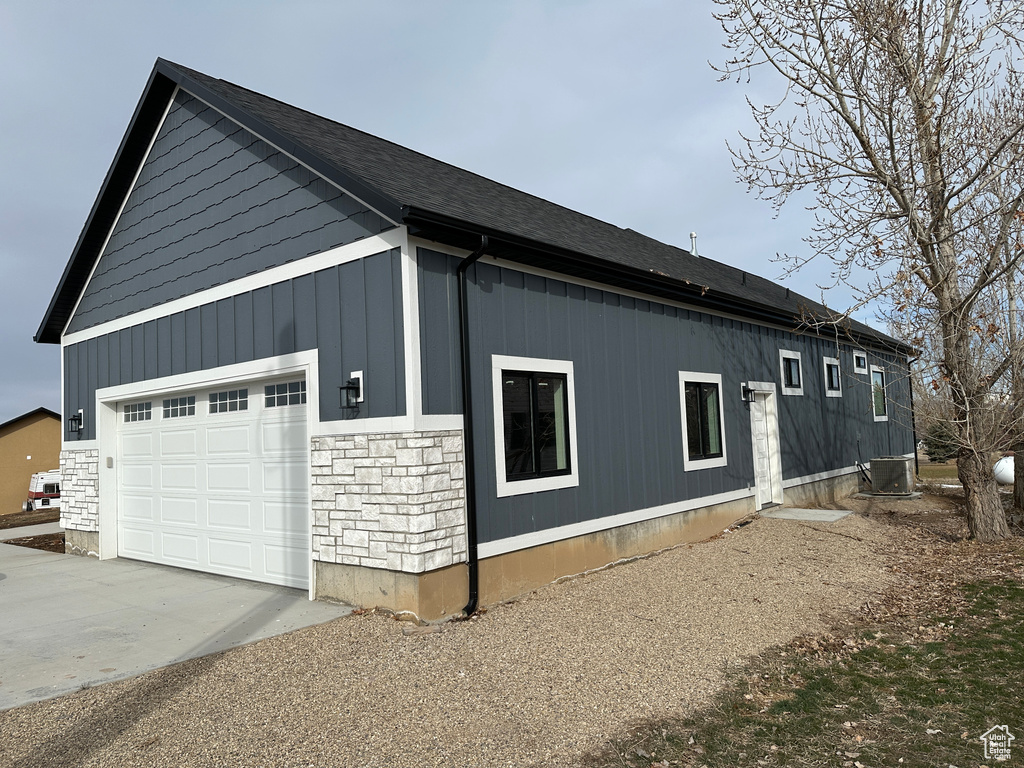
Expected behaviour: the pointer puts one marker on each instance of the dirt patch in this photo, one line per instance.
(35, 517)
(48, 542)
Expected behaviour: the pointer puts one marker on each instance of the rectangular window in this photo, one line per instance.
(833, 381)
(534, 422)
(878, 404)
(860, 361)
(289, 393)
(535, 413)
(229, 400)
(703, 421)
(179, 406)
(792, 383)
(51, 488)
(138, 412)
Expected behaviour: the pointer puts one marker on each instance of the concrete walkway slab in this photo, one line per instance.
(809, 515)
(29, 530)
(71, 622)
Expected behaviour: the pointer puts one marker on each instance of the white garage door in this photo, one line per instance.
(218, 481)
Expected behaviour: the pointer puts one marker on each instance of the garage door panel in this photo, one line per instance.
(285, 562)
(140, 542)
(286, 476)
(231, 555)
(229, 478)
(227, 440)
(180, 547)
(134, 507)
(229, 514)
(285, 517)
(279, 437)
(178, 477)
(223, 492)
(137, 445)
(178, 443)
(137, 476)
(178, 511)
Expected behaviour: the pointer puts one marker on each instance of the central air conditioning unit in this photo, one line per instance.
(892, 475)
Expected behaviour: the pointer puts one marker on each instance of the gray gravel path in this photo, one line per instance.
(537, 681)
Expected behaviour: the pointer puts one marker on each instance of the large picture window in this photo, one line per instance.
(703, 422)
(535, 433)
(878, 404)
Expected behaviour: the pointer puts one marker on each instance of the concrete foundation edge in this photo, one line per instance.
(85, 543)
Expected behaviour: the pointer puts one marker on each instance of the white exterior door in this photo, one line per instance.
(764, 429)
(217, 481)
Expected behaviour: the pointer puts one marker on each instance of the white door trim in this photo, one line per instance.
(763, 398)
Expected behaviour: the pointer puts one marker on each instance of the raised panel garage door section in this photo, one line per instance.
(218, 481)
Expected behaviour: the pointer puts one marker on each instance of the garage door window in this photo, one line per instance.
(138, 412)
(232, 400)
(179, 406)
(289, 393)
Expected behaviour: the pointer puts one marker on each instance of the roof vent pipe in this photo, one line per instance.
(693, 244)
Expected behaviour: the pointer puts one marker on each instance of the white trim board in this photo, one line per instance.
(827, 475)
(549, 535)
(360, 249)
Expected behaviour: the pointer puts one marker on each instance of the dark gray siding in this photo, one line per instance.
(213, 203)
(627, 355)
(352, 313)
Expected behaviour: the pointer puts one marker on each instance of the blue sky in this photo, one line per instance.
(609, 108)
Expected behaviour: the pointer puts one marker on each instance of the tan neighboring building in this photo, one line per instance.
(29, 443)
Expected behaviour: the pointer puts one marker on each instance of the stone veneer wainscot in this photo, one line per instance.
(80, 489)
(394, 501)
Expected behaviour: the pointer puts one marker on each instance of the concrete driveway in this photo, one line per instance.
(67, 622)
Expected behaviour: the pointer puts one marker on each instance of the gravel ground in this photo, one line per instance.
(537, 681)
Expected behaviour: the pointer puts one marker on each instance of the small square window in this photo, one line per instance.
(879, 407)
(289, 393)
(860, 361)
(176, 407)
(138, 412)
(229, 401)
(833, 380)
(792, 381)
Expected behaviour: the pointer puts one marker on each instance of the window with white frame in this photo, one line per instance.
(700, 397)
(860, 361)
(138, 412)
(878, 404)
(229, 400)
(833, 379)
(792, 375)
(534, 424)
(176, 407)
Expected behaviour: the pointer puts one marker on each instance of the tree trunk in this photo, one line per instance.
(1018, 476)
(986, 520)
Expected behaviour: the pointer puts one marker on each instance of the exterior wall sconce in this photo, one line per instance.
(75, 423)
(352, 391)
(746, 393)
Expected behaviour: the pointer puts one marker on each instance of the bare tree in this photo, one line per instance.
(899, 116)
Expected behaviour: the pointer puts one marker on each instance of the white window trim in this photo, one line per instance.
(506, 487)
(825, 363)
(689, 464)
(863, 369)
(786, 354)
(885, 385)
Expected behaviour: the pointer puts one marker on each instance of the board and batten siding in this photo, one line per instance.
(213, 203)
(351, 313)
(627, 355)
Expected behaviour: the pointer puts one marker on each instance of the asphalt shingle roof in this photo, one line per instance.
(396, 180)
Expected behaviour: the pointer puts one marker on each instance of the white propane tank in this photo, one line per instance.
(1003, 470)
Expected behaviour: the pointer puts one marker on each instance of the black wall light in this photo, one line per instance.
(75, 422)
(351, 393)
(746, 394)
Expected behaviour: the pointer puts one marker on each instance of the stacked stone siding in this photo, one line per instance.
(80, 490)
(393, 501)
